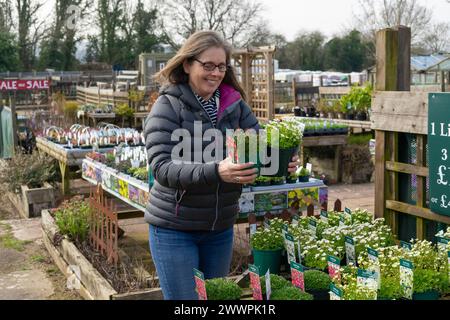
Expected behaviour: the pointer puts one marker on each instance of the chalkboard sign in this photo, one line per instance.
(439, 152)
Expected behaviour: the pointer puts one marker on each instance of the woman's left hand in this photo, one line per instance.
(293, 166)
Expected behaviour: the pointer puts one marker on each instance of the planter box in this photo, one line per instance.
(30, 202)
(93, 286)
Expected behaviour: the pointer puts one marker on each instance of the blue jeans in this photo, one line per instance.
(176, 253)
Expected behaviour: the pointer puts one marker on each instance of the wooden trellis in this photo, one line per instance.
(104, 226)
(400, 123)
(256, 72)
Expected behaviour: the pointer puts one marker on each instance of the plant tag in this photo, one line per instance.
(341, 220)
(298, 275)
(253, 228)
(406, 245)
(309, 168)
(448, 264)
(334, 266)
(255, 284)
(335, 292)
(290, 247)
(299, 251)
(200, 284)
(266, 224)
(348, 214)
(367, 279)
(407, 278)
(268, 288)
(284, 229)
(375, 264)
(442, 244)
(324, 216)
(295, 220)
(350, 252)
(313, 226)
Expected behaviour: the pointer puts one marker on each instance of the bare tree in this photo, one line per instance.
(6, 16)
(235, 19)
(374, 15)
(437, 38)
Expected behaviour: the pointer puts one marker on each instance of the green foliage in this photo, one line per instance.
(262, 179)
(141, 174)
(9, 58)
(222, 289)
(289, 134)
(390, 288)
(267, 239)
(31, 170)
(303, 172)
(124, 110)
(316, 280)
(70, 109)
(358, 99)
(290, 293)
(276, 282)
(72, 219)
(360, 139)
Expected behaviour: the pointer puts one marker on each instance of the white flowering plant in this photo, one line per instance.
(349, 285)
(267, 239)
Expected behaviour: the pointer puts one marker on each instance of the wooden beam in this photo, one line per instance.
(420, 156)
(407, 168)
(416, 211)
(380, 173)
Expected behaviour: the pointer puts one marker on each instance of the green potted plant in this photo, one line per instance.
(222, 289)
(276, 181)
(290, 293)
(292, 178)
(276, 282)
(317, 283)
(303, 175)
(263, 181)
(267, 246)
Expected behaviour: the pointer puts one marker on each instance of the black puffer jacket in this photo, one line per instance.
(191, 196)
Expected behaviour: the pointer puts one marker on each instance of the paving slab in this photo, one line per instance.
(25, 285)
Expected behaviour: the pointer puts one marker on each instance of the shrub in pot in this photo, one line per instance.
(263, 181)
(303, 174)
(276, 282)
(290, 293)
(222, 289)
(317, 283)
(276, 181)
(292, 178)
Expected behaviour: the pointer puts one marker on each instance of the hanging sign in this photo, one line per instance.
(15, 85)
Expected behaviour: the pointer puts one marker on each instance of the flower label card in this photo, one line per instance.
(284, 229)
(335, 292)
(298, 275)
(406, 245)
(334, 266)
(268, 285)
(255, 283)
(375, 264)
(290, 247)
(295, 220)
(324, 216)
(266, 224)
(367, 279)
(312, 224)
(407, 278)
(348, 214)
(350, 251)
(253, 228)
(341, 220)
(442, 244)
(200, 284)
(299, 251)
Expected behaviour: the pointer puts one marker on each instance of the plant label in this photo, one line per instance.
(406, 245)
(295, 220)
(367, 279)
(407, 278)
(324, 216)
(266, 224)
(341, 220)
(334, 266)
(284, 229)
(448, 264)
(298, 275)
(255, 283)
(268, 287)
(200, 284)
(309, 168)
(290, 247)
(335, 292)
(442, 244)
(253, 228)
(299, 251)
(348, 214)
(313, 226)
(375, 264)
(350, 252)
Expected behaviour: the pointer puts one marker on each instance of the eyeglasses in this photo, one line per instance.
(209, 66)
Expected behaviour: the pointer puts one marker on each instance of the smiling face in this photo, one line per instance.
(203, 82)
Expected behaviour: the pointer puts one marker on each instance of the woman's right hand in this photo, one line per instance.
(237, 173)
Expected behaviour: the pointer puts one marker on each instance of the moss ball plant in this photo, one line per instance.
(276, 282)
(222, 289)
(290, 293)
(316, 280)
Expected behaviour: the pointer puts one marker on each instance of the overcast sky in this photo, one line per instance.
(329, 16)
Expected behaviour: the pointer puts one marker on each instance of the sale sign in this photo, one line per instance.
(15, 85)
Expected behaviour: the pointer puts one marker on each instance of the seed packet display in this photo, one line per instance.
(334, 266)
(375, 264)
(324, 216)
(350, 251)
(407, 278)
(255, 283)
(298, 275)
(367, 279)
(335, 292)
(290, 247)
(200, 284)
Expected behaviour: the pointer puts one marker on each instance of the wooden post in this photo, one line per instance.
(12, 105)
(270, 85)
(294, 92)
(421, 156)
(442, 81)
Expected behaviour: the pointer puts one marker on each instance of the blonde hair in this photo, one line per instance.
(173, 72)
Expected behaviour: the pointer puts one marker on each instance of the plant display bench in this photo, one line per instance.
(259, 200)
(336, 141)
(30, 202)
(99, 116)
(67, 159)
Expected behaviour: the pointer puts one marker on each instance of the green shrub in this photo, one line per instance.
(316, 280)
(222, 289)
(72, 219)
(31, 170)
(290, 293)
(276, 282)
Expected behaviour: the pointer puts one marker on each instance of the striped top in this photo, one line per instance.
(210, 106)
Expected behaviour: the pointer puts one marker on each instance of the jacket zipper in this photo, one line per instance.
(217, 207)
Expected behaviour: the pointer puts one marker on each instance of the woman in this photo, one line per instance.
(193, 206)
